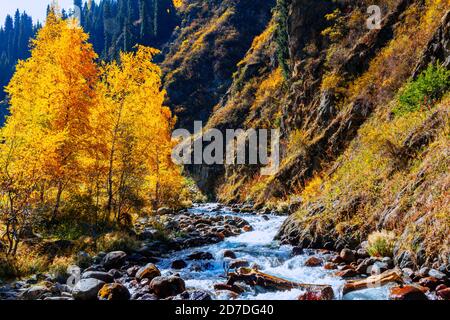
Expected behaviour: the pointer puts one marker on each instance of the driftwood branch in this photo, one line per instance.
(254, 277)
(373, 281)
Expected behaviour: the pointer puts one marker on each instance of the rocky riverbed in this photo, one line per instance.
(230, 253)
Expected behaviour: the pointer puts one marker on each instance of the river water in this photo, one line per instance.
(258, 246)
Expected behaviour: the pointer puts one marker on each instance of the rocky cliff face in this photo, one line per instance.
(213, 37)
(332, 218)
(350, 164)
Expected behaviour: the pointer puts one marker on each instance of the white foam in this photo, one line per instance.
(258, 246)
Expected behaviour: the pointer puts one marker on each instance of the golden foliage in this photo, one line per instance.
(298, 140)
(178, 3)
(268, 87)
(312, 189)
(77, 132)
(134, 132)
(259, 42)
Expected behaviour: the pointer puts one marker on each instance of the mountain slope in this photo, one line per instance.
(352, 163)
(213, 37)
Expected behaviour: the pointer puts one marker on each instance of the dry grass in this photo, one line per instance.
(25, 263)
(117, 241)
(381, 243)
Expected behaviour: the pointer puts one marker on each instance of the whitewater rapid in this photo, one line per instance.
(257, 247)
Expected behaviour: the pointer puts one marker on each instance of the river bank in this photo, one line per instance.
(204, 263)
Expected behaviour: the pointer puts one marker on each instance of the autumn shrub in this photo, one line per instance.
(59, 267)
(266, 90)
(381, 244)
(25, 263)
(87, 223)
(298, 139)
(394, 64)
(313, 188)
(157, 223)
(83, 259)
(117, 241)
(7, 268)
(425, 91)
(178, 3)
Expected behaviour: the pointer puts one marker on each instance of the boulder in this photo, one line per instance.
(87, 289)
(313, 262)
(377, 268)
(388, 261)
(362, 253)
(348, 273)
(114, 291)
(445, 268)
(164, 211)
(408, 293)
(429, 282)
(195, 295)
(404, 260)
(347, 255)
(131, 271)
(336, 259)
(178, 264)
(423, 272)
(296, 251)
(408, 272)
(238, 263)
(34, 293)
(116, 274)
(165, 287)
(149, 271)
(229, 254)
(437, 274)
(200, 256)
(330, 266)
(325, 293)
(99, 275)
(363, 267)
(114, 259)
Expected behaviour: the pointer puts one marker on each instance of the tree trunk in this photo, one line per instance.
(373, 281)
(254, 277)
(58, 201)
(110, 181)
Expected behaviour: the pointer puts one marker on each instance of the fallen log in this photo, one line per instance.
(254, 277)
(233, 288)
(373, 281)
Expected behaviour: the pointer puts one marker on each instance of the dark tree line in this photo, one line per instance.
(15, 36)
(113, 26)
(118, 25)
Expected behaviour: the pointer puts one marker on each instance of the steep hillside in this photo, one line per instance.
(213, 37)
(352, 163)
